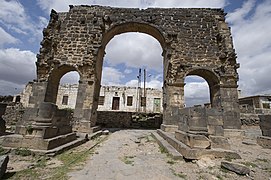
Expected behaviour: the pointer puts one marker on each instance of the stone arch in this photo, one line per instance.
(124, 28)
(194, 41)
(53, 81)
(120, 29)
(211, 78)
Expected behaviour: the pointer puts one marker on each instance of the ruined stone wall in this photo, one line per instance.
(114, 119)
(202, 119)
(192, 36)
(194, 42)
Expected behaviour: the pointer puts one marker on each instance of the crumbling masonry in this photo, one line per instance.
(194, 42)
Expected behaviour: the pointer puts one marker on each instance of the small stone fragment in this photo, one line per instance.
(3, 165)
(105, 132)
(235, 167)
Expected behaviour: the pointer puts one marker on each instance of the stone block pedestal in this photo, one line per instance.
(169, 128)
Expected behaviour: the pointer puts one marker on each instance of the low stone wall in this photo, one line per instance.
(249, 119)
(113, 119)
(265, 125)
(2, 122)
(201, 119)
(13, 114)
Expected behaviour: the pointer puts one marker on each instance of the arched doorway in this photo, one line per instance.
(196, 91)
(121, 29)
(213, 82)
(67, 90)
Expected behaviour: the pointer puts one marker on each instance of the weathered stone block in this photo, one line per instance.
(215, 120)
(3, 165)
(235, 167)
(264, 141)
(169, 128)
(193, 140)
(219, 142)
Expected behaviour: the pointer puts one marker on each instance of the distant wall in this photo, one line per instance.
(116, 119)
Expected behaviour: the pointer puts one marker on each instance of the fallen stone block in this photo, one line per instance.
(3, 165)
(193, 140)
(219, 142)
(235, 167)
(264, 141)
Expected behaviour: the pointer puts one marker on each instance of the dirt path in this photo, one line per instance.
(127, 154)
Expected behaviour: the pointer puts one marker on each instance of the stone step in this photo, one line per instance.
(194, 153)
(164, 144)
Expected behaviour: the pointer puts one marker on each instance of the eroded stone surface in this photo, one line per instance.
(194, 42)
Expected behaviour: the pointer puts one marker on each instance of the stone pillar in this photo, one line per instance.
(38, 94)
(230, 107)
(85, 112)
(2, 121)
(173, 102)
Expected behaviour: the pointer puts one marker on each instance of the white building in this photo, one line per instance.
(112, 98)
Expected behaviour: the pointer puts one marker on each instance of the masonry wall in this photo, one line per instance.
(120, 119)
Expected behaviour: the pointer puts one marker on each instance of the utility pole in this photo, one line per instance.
(145, 99)
(139, 93)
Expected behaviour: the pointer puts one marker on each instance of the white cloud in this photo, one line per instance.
(70, 78)
(17, 68)
(60, 5)
(251, 35)
(6, 38)
(10, 88)
(196, 93)
(111, 76)
(14, 17)
(128, 71)
(150, 84)
(135, 50)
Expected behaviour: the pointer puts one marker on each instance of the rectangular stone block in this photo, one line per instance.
(215, 120)
(219, 142)
(264, 141)
(193, 140)
(169, 128)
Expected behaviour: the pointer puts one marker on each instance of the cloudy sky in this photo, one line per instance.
(21, 24)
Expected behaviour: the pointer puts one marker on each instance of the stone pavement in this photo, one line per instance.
(127, 154)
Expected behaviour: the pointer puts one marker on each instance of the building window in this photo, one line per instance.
(266, 105)
(143, 101)
(65, 100)
(101, 100)
(129, 100)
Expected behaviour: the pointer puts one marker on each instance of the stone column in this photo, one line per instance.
(38, 94)
(2, 121)
(85, 112)
(230, 107)
(173, 102)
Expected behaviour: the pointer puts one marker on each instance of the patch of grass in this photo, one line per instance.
(180, 175)
(249, 164)
(224, 170)
(3, 151)
(30, 174)
(262, 160)
(128, 160)
(22, 152)
(69, 159)
(41, 162)
(171, 162)
(29, 129)
(219, 177)
(163, 149)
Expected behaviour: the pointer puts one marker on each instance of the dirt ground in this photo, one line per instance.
(134, 154)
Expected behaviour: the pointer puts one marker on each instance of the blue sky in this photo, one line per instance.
(22, 21)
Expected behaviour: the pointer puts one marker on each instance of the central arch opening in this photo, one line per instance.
(131, 75)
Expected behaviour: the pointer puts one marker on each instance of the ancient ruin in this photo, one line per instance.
(194, 42)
